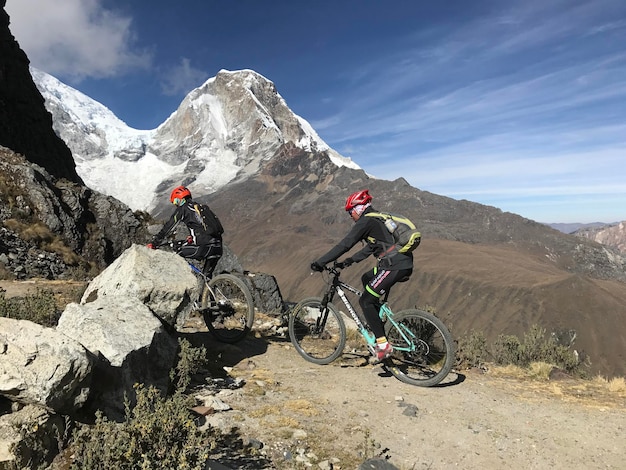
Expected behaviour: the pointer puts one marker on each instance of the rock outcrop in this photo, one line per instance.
(168, 295)
(131, 345)
(25, 125)
(123, 332)
(41, 366)
(611, 235)
(58, 216)
(39, 186)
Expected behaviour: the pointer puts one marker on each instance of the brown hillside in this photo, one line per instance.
(480, 268)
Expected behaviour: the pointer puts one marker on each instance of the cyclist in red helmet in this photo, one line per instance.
(205, 230)
(376, 282)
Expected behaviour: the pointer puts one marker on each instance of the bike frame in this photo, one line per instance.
(385, 312)
(205, 286)
(199, 272)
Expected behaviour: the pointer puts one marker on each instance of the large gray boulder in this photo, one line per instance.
(114, 329)
(41, 366)
(159, 279)
(131, 343)
(265, 292)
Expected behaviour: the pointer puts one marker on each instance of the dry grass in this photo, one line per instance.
(40, 235)
(64, 291)
(287, 422)
(263, 375)
(265, 411)
(539, 371)
(615, 385)
(302, 407)
(536, 382)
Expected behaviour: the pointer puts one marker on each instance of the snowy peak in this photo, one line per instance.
(226, 129)
(243, 111)
(79, 106)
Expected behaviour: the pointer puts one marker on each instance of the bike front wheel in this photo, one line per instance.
(228, 308)
(423, 348)
(316, 331)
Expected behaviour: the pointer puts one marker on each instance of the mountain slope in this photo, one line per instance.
(481, 269)
(610, 235)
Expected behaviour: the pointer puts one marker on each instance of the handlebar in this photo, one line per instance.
(335, 269)
(175, 245)
(333, 280)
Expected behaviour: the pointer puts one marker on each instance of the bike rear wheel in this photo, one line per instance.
(228, 308)
(317, 332)
(423, 348)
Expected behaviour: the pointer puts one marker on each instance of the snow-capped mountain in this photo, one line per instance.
(223, 130)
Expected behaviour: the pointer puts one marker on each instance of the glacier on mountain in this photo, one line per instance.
(223, 130)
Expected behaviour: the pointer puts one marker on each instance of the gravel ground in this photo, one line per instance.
(302, 415)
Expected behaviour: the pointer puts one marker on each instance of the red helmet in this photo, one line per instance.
(178, 194)
(357, 199)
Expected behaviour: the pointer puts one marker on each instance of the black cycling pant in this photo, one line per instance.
(377, 283)
(211, 254)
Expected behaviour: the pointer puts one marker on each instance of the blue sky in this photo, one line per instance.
(517, 104)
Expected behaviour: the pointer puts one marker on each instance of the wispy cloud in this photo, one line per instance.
(523, 104)
(181, 79)
(76, 38)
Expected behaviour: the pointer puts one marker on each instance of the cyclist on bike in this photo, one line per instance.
(389, 270)
(205, 239)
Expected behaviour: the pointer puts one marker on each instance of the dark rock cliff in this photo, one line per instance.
(51, 224)
(25, 125)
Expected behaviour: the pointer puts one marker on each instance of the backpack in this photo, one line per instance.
(407, 238)
(210, 221)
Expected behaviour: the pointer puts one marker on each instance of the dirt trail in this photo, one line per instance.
(348, 410)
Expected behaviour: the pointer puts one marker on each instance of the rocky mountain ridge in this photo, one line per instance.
(58, 229)
(571, 228)
(613, 235)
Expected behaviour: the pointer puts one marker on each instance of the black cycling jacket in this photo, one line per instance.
(378, 239)
(188, 215)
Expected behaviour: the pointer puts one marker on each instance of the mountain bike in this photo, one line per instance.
(423, 350)
(224, 301)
